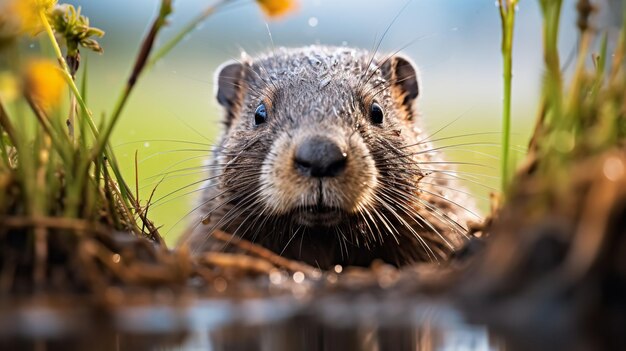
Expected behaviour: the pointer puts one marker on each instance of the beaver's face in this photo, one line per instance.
(311, 138)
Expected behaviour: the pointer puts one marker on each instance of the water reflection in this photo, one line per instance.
(262, 324)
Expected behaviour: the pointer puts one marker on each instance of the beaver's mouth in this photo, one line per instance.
(318, 216)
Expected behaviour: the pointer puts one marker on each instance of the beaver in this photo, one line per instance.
(322, 159)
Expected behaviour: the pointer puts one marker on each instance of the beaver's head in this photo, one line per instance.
(322, 138)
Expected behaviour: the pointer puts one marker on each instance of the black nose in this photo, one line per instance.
(319, 156)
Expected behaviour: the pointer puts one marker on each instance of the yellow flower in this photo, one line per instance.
(44, 83)
(9, 87)
(27, 12)
(277, 8)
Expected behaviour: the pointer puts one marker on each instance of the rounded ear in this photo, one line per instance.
(404, 77)
(228, 80)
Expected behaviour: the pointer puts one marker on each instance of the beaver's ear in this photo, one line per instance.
(404, 77)
(229, 82)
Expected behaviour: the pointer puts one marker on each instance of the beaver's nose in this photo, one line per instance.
(318, 156)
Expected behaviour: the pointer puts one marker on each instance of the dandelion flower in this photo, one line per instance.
(44, 83)
(276, 8)
(28, 13)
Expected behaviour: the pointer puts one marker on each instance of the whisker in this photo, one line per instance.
(455, 190)
(167, 201)
(426, 172)
(164, 141)
(417, 163)
(364, 211)
(420, 239)
(453, 178)
(473, 175)
(201, 205)
(172, 151)
(289, 241)
(452, 202)
(412, 213)
(235, 212)
(245, 176)
(445, 219)
(439, 148)
(375, 51)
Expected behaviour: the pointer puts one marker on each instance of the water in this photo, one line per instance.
(334, 322)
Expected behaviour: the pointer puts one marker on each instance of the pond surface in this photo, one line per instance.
(282, 323)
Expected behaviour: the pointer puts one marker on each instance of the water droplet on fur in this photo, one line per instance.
(325, 81)
(314, 61)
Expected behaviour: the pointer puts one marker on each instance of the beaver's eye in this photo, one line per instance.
(260, 114)
(376, 113)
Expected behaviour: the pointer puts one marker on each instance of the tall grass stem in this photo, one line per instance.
(508, 9)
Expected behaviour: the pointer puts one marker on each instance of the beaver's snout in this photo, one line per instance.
(317, 167)
(318, 156)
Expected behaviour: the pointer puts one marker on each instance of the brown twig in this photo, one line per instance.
(143, 212)
(243, 263)
(75, 225)
(264, 253)
(153, 231)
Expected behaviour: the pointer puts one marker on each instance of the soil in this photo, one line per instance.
(547, 271)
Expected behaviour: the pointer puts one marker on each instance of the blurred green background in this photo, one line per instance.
(457, 47)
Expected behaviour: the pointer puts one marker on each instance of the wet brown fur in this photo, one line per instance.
(397, 197)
